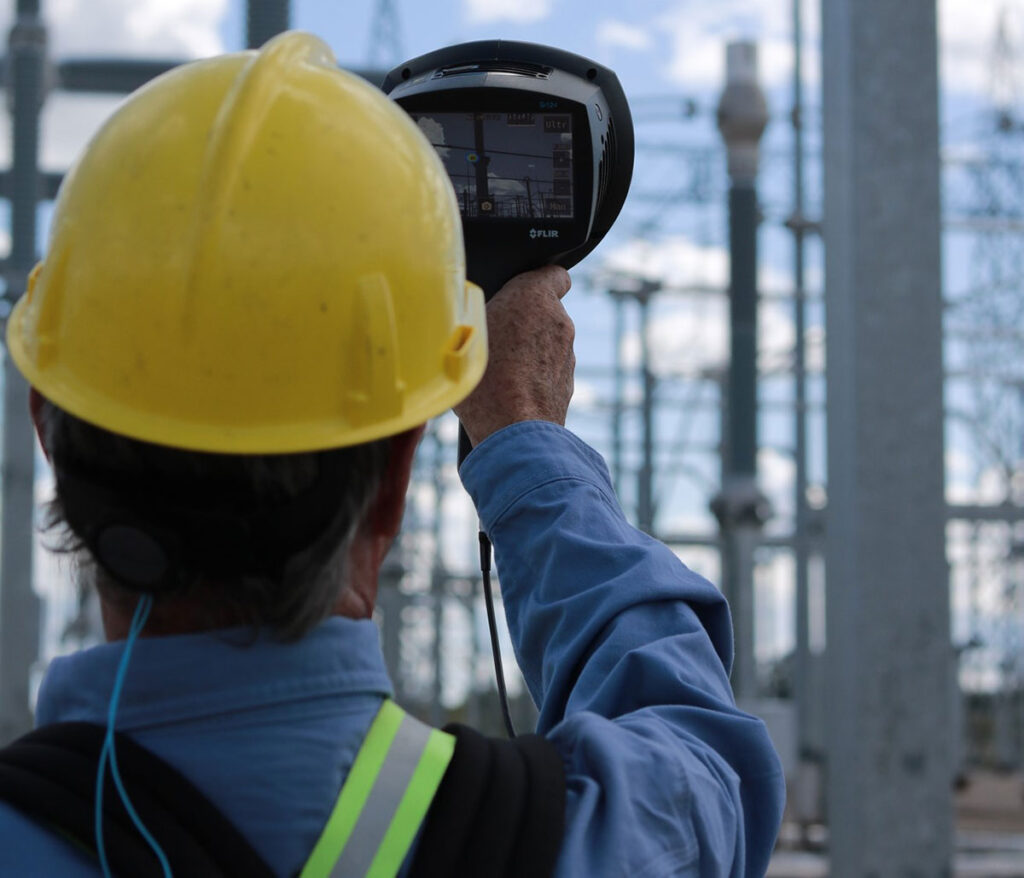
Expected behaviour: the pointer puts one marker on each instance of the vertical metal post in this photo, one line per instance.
(740, 507)
(19, 606)
(617, 403)
(264, 19)
(645, 482)
(437, 576)
(484, 205)
(806, 752)
(888, 655)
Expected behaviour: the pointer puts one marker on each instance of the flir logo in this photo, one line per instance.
(543, 233)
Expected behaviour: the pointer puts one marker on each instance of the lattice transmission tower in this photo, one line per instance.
(985, 389)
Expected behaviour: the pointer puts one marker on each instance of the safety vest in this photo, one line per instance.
(384, 800)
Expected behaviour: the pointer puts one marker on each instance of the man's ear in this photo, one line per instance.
(36, 401)
(384, 517)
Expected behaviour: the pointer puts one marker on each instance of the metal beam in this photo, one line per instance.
(889, 655)
(47, 184)
(19, 606)
(264, 19)
(111, 75)
(1007, 512)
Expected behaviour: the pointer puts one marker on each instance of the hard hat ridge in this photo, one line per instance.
(236, 132)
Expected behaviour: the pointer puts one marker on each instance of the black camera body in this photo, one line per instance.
(538, 143)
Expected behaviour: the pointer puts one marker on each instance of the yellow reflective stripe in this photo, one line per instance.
(355, 791)
(413, 807)
(381, 805)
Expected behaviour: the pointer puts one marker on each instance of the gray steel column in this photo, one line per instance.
(645, 480)
(19, 606)
(618, 393)
(798, 224)
(264, 19)
(642, 291)
(438, 579)
(740, 506)
(889, 656)
(808, 755)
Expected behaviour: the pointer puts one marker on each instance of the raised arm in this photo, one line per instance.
(625, 650)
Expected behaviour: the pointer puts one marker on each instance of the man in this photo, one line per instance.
(252, 300)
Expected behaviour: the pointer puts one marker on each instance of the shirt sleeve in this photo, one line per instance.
(626, 653)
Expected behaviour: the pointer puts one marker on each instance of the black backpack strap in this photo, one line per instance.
(50, 775)
(500, 810)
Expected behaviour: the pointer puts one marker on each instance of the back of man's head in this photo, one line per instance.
(243, 539)
(255, 276)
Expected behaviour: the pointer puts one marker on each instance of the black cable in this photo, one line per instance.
(465, 446)
(499, 672)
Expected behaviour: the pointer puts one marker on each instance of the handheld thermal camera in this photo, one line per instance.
(538, 143)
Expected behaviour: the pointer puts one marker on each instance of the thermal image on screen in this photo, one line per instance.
(506, 165)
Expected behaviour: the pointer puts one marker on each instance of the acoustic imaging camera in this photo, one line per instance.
(538, 143)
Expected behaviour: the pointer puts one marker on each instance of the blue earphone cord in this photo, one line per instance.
(108, 752)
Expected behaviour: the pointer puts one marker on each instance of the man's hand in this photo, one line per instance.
(529, 373)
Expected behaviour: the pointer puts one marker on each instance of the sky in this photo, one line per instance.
(666, 52)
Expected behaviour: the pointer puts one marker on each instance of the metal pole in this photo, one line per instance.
(740, 506)
(484, 205)
(617, 404)
(888, 655)
(19, 606)
(437, 576)
(645, 482)
(264, 19)
(806, 751)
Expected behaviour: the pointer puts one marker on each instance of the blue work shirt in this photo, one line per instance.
(624, 649)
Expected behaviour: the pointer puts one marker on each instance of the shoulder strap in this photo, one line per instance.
(50, 775)
(384, 799)
(500, 810)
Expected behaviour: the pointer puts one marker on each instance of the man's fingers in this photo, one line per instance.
(560, 279)
(550, 277)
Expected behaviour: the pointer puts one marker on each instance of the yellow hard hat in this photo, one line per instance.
(257, 253)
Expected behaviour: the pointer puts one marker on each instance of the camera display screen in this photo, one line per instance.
(505, 165)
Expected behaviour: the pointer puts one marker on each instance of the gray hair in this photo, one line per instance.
(291, 600)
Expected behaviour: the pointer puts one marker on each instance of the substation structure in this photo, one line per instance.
(653, 398)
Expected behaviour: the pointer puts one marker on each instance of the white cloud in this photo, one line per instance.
(776, 474)
(521, 11)
(121, 28)
(164, 28)
(966, 483)
(674, 261)
(620, 34)
(435, 133)
(961, 476)
(67, 123)
(689, 335)
(968, 30)
(585, 394)
(699, 31)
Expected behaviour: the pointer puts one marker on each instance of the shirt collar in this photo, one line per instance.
(191, 676)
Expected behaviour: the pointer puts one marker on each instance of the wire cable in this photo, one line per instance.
(492, 625)
(108, 751)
